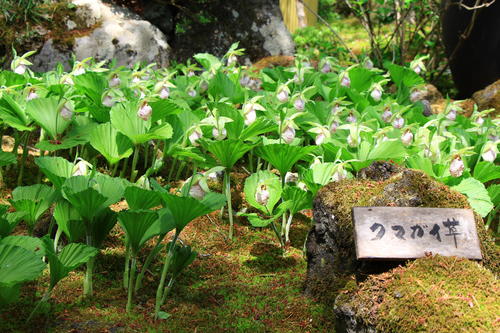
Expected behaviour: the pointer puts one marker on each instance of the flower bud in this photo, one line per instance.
(245, 80)
(417, 69)
(219, 135)
(351, 141)
(79, 71)
(108, 101)
(196, 191)
(299, 104)
(351, 118)
(291, 177)
(250, 115)
(376, 94)
(345, 81)
(326, 68)
(335, 109)
(203, 86)
(407, 137)
(66, 113)
(192, 92)
(145, 111)
(232, 60)
(320, 138)
(81, 168)
(195, 136)
(417, 95)
(190, 73)
(368, 64)
(339, 175)
(136, 79)
(398, 122)
(262, 195)
(457, 167)
(288, 134)
(31, 95)
(333, 127)
(282, 96)
(480, 121)
(114, 81)
(20, 69)
(164, 92)
(427, 108)
(386, 115)
(452, 115)
(489, 155)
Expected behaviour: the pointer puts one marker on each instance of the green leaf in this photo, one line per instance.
(18, 265)
(283, 156)
(46, 113)
(387, 150)
(112, 144)
(69, 221)
(298, 198)
(494, 192)
(486, 171)
(184, 209)
(208, 61)
(227, 152)
(33, 200)
(477, 195)
(32, 244)
(420, 163)
(138, 227)
(57, 169)
(7, 158)
(183, 256)
(14, 115)
(263, 180)
(139, 198)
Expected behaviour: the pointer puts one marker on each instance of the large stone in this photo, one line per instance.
(212, 26)
(489, 97)
(113, 33)
(331, 255)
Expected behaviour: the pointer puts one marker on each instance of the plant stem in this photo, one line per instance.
(131, 284)
(44, 299)
(23, 159)
(166, 265)
(171, 172)
(56, 238)
(127, 266)
(167, 290)
(227, 183)
(88, 289)
(115, 168)
(287, 230)
(149, 259)
(133, 172)
(124, 168)
(277, 234)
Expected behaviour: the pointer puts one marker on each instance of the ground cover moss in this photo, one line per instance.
(432, 294)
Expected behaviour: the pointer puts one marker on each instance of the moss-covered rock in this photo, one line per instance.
(330, 246)
(433, 294)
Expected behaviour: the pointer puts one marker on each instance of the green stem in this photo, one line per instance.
(167, 290)
(23, 159)
(180, 169)
(133, 172)
(124, 168)
(44, 299)
(227, 182)
(16, 146)
(166, 265)
(277, 234)
(287, 229)
(115, 168)
(88, 288)
(149, 259)
(146, 156)
(171, 172)
(131, 284)
(56, 239)
(127, 266)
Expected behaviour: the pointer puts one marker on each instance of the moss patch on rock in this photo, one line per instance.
(433, 294)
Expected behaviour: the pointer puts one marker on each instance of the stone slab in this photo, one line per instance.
(396, 233)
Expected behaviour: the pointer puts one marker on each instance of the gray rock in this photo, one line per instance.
(348, 321)
(118, 34)
(257, 24)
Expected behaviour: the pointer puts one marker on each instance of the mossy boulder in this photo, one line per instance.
(330, 246)
(433, 294)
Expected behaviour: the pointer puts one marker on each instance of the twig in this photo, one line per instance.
(477, 5)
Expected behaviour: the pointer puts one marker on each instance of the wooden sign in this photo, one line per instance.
(393, 233)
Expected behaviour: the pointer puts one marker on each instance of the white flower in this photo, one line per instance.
(368, 64)
(333, 127)
(108, 101)
(31, 95)
(69, 80)
(219, 135)
(20, 69)
(66, 113)
(335, 109)
(351, 118)
(457, 167)
(164, 92)
(203, 86)
(320, 138)
(351, 141)
(190, 73)
(299, 104)
(376, 94)
(339, 175)
(195, 136)
(480, 121)
(291, 177)
(282, 96)
(197, 192)
(302, 186)
(250, 115)
(192, 92)
(452, 115)
(136, 79)
(81, 168)
(297, 79)
(115, 81)
(262, 195)
(386, 115)
(79, 71)
(417, 95)
(398, 122)
(417, 69)
(407, 137)
(489, 155)
(326, 67)
(245, 80)
(145, 111)
(288, 134)
(345, 81)
(232, 60)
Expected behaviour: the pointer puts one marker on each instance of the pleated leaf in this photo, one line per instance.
(112, 144)
(18, 265)
(138, 226)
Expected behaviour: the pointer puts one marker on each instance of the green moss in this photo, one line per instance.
(433, 294)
